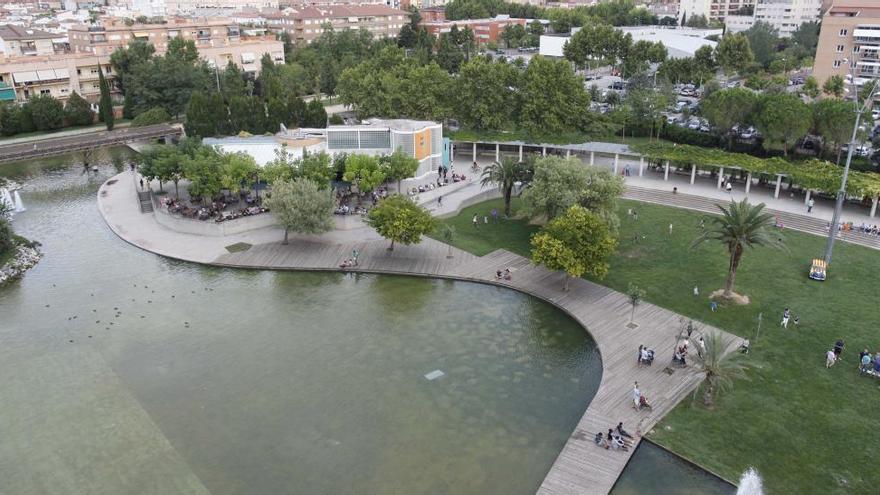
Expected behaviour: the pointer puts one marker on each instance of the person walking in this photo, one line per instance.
(729, 186)
(830, 358)
(142, 183)
(439, 201)
(786, 315)
(494, 215)
(636, 394)
(670, 230)
(810, 204)
(701, 347)
(476, 222)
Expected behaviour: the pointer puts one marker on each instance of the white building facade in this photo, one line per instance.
(785, 15)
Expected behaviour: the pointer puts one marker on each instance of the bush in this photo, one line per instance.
(6, 236)
(336, 120)
(153, 116)
(683, 135)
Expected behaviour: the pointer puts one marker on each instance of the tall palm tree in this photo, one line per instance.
(504, 175)
(718, 372)
(740, 226)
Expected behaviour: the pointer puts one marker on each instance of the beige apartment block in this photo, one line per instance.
(712, 9)
(307, 23)
(849, 40)
(104, 39)
(18, 41)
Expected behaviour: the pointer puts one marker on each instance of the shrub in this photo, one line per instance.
(683, 135)
(155, 115)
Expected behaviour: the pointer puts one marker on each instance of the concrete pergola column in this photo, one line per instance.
(807, 197)
(520, 153)
(497, 152)
(778, 185)
(543, 151)
(874, 207)
(720, 176)
(693, 173)
(666, 170)
(475, 151)
(641, 165)
(592, 158)
(616, 158)
(748, 183)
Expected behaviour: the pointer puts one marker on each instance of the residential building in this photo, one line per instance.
(485, 30)
(785, 15)
(307, 23)
(713, 10)
(17, 41)
(849, 41)
(433, 14)
(56, 75)
(114, 33)
(149, 8)
(184, 7)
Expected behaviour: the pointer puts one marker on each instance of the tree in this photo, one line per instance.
(315, 116)
(364, 172)
(236, 169)
(449, 55)
(718, 373)
(400, 220)
(578, 243)
(729, 107)
(78, 111)
(153, 116)
(635, 295)
(834, 120)
(806, 37)
(9, 119)
(205, 113)
(105, 104)
(596, 42)
(740, 226)
(811, 87)
(733, 53)
(204, 173)
(553, 97)
(763, 39)
(317, 168)
(447, 233)
(486, 94)
(833, 86)
(696, 21)
(46, 112)
(398, 166)
(301, 206)
(783, 119)
(560, 183)
(513, 35)
(168, 166)
(168, 80)
(504, 175)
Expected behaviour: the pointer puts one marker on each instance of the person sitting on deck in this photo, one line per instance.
(498, 275)
(621, 431)
(599, 440)
(507, 274)
(346, 264)
(643, 403)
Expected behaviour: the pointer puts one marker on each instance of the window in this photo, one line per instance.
(843, 32)
(45, 92)
(836, 64)
(840, 48)
(856, 49)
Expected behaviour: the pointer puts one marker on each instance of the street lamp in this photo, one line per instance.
(841, 194)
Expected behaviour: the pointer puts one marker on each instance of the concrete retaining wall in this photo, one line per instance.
(212, 228)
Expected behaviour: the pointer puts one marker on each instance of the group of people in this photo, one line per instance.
(786, 317)
(646, 356)
(505, 275)
(493, 213)
(215, 210)
(868, 364)
(344, 209)
(351, 262)
(617, 438)
(639, 400)
(869, 229)
(833, 355)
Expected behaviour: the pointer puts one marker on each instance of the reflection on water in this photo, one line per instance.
(653, 470)
(278, 382)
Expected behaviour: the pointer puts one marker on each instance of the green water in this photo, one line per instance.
(124, 372)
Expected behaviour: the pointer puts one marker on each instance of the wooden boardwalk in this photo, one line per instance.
(581, 467)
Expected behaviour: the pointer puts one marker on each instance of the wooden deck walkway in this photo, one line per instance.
(581, 467)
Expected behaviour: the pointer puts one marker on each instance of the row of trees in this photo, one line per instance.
(601, 44)
(615, 13)
(45, 113)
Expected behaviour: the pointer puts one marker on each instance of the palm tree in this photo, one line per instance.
(718, 372)
(504, 175)
(741, 225)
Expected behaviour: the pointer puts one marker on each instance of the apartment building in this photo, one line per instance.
(849, 41)
(306, 24)
(485, 30)
(785, 15)
(56, 75)
(114, 33)
(712, 9)
(18, 41)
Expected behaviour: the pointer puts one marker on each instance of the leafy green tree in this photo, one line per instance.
(486, 95)
(578, 243)
(597, 43)
(740, 226)
(834, 120)
(232, 81)
(302, 207)
(296, 111)
(77, 111)
(697, 21)
(398, 219)
(833, 86)
(560, 183)
(447, 233)
(47, 113)
(316, 116)
(9, 119)
(719, 372)
(205, 113)
(635, 294)
(282, 168)
(552, 97)
(316, 167)
(105, 104)
(168, 167)
(153, 116)
(247, 113)
(364, 172)
(398, 166)
(204, 173)
(513, 35)
(236, 170)
(806, 37)
(783, 119)
(449, 55)
(763, 40)
(733, 53)
(168, 80)
(811, 87)
(504, 175)
(729, 107)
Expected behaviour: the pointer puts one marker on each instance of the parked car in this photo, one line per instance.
(616, 85)
(862, 151)
(875, 114)
(749, 133)
(694, 124)
(670, 119)
(679, 106)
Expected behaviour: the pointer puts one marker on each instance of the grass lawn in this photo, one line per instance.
(807, 429)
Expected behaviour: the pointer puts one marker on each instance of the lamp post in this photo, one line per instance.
(841, 193)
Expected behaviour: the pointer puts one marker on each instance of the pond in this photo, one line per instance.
(128, 372)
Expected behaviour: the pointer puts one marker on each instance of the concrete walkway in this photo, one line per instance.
(582, 467)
